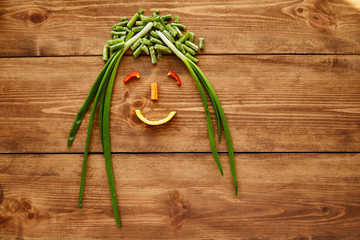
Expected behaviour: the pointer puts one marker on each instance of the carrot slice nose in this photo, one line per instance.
(154, 91)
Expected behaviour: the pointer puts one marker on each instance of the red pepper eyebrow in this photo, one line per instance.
(130, 76)
(172, 74)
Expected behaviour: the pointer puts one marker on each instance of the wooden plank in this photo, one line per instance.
(273, 103)
(182, 196)
(58, 28)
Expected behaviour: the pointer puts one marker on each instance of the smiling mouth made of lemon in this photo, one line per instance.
(154, 96)
(157, 122)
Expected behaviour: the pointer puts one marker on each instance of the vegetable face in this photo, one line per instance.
(150, 35)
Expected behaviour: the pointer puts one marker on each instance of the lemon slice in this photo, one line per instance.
(158, 122)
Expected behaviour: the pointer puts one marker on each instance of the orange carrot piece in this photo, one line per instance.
(154, 91)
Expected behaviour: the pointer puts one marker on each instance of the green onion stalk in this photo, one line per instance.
(100, 94)
(202, 82)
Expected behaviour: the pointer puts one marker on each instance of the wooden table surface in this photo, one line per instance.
(286, 72)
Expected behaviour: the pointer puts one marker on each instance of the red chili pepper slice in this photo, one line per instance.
(130, 76)
(172, 74)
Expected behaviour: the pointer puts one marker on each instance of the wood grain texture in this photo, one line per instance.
(273, 104)
(287, 74)
(58, 28)
(182, 196)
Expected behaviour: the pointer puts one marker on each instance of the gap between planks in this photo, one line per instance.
(198, 153)
(208, 54)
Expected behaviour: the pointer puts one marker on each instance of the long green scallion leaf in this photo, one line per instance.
(85, 106)
(208, 119)
(106, 141)
(102, 88)
(91, 121)
(198, 74)
(106, 124)
(223, 121)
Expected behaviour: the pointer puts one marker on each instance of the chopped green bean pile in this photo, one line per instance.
(153, 35)
(147, 44)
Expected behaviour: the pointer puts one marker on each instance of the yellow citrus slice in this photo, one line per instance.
(158, 122)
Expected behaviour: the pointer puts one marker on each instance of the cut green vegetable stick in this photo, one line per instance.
(159, 54)
(140, 11)
(129, 35)
(155, 13)
(149, 19)
(117, 46)
(121, 28)
(106, 52)
(136, 44)
(159, 26)
(152, 54)
(122, 33)
(180, 47)
(192, 45)
(137, 52)
(160, 20)
(115, 41)
(137, 29)
(133, 20)
(178, 31)
(176, 19)
(169, 36)
(189, 50)
(191, 37)
(146, 42)
(154, 34)
(123, 19)
(191, 57)
(155, 40)
(181, 26)
(184, 37)
(166, 17)
(139, 23)
(145, 49)
(171, 30)
(162, 48)
(120, 24)
(201, 43)
(142, 17)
